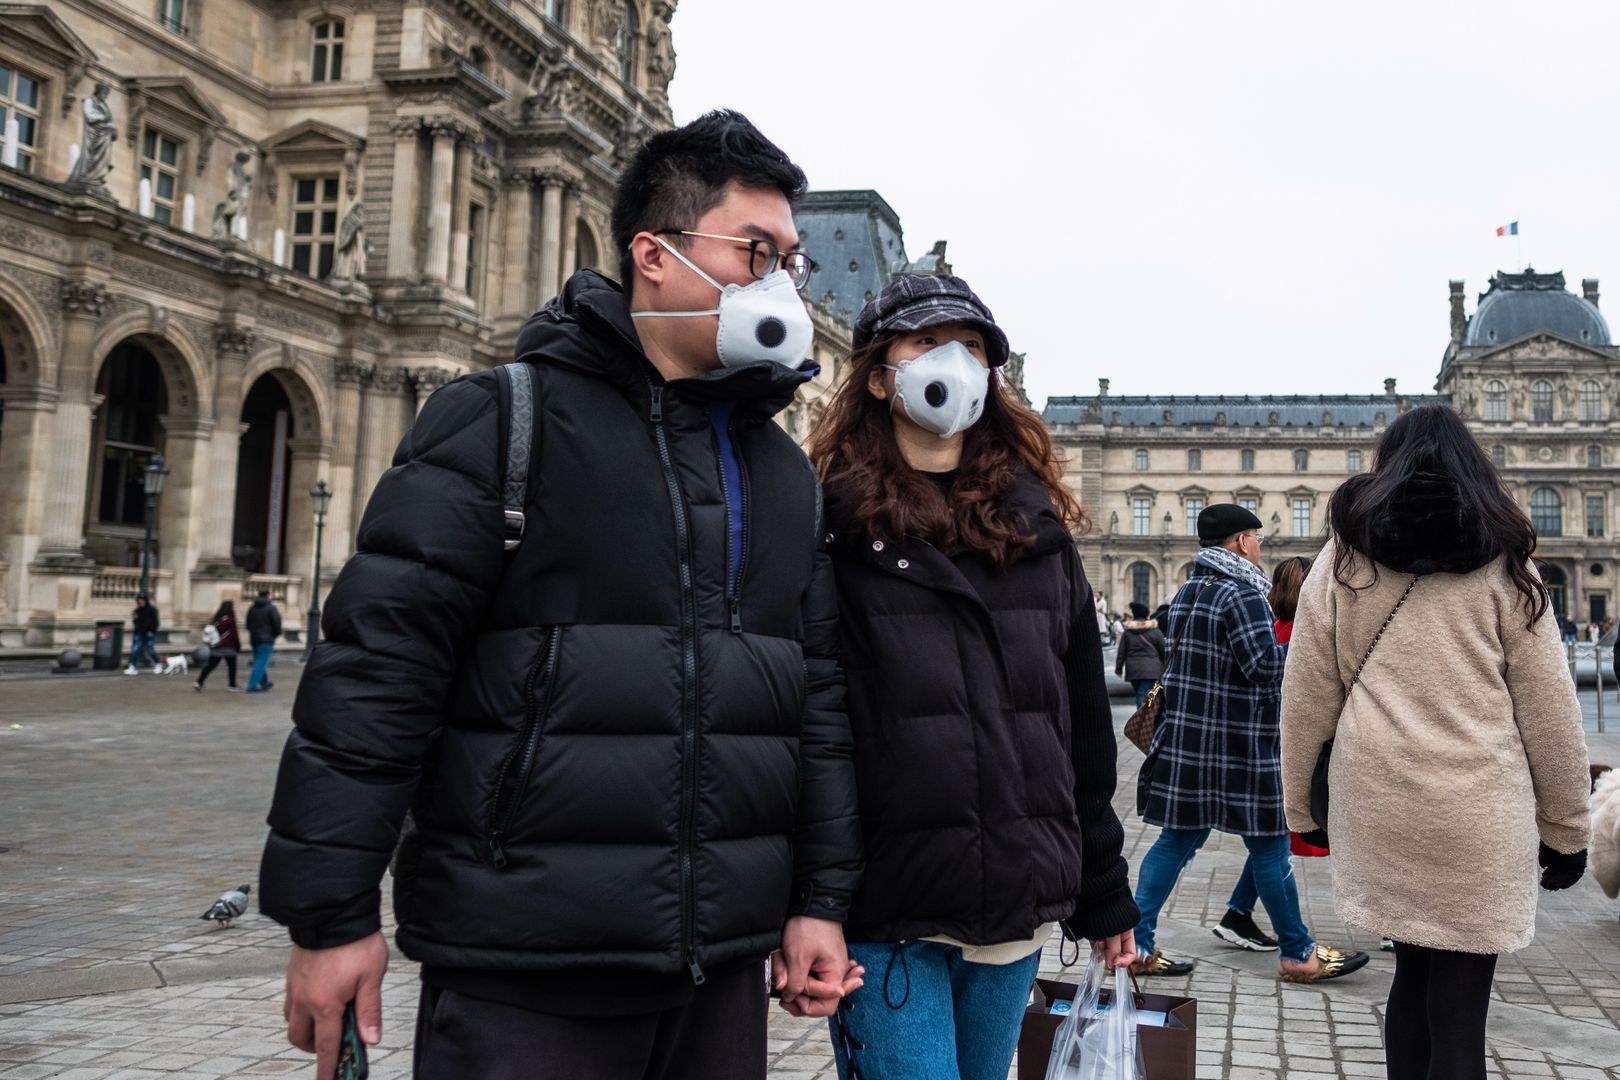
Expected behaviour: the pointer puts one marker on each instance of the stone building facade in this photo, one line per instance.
(309, 217)
(1532, 370)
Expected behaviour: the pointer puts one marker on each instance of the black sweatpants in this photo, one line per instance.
(718, 1035)
(213, 662)
(1434, 1025)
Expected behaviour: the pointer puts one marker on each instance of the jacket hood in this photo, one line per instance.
(1141, 624)
(587, 328)
(1028, 498)
(261, 601)
(1424, 527)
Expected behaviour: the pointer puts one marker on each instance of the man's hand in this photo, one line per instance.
(812, 970)
(320, 982)
(1119, 950)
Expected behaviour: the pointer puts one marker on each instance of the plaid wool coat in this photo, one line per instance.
(1215, 760)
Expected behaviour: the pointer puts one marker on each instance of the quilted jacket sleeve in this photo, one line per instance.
(827, 837)
(1104, 906)
(428, 556)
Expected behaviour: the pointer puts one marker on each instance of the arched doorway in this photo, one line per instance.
(128, 431)
(1140, 576)
(1553, 576)
(263, 474)
(585, 251)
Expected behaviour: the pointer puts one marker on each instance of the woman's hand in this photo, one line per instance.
(1118, 951)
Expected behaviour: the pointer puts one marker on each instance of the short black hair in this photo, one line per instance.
(678, 176)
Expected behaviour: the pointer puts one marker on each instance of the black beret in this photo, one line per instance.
(1216, 523)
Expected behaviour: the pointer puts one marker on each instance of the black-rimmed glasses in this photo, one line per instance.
(763, 256)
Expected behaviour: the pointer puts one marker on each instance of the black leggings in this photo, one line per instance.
(213, 662)
(1434, 1025)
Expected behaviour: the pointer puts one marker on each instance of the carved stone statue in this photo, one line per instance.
(607, 19)
(1518, 397)
(350, 261)
(95, 154)
(660, 52)
(237, 194)
(1113, 523)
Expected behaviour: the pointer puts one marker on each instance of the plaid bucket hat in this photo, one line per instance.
(917, 301)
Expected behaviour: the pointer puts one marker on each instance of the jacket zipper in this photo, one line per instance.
(734, 578)
(683, 552)
(539, 681)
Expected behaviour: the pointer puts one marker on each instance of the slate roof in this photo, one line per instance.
(856, 240)
(1518, 305)
(1298, 411)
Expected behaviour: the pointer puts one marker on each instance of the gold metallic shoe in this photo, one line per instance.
(1159, 964)
(1332, 964)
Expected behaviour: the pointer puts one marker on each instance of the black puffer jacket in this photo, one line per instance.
(613, 756)
(1141, 651)
(981, 723)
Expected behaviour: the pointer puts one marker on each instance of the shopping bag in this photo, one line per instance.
(1166, 1030)
(1097, 1040)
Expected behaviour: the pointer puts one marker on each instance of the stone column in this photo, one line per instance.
(425, 380)
(460, 209)
(441, 178)
(382, 426)
(232, 344)
(184, 509)
(570, 230)
(550, 235)
(25, 451)
(310, 458)
(517, 282)
(406, 201)
(340, 517)
(68, 465)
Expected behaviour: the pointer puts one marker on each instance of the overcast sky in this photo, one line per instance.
(1198, 196)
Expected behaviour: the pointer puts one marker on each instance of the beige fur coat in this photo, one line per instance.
(1461, 747)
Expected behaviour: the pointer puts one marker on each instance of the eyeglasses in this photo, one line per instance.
(763, 256)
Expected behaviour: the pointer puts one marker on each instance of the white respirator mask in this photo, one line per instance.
(763, 320)
(943, 390)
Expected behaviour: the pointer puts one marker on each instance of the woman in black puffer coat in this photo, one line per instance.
(1140, 657)
(984, 740)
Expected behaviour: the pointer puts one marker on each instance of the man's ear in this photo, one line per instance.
(648, 258)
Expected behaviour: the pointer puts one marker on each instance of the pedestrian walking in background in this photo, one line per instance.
(1140, 657)
(1459, 769)
(143, 640)
(226, 648)
(984, 739)
(1215, 758)
(263, 626)
(1286, 580)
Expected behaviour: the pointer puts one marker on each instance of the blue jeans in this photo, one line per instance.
(1269, 868)
(261, 667)
(1142, 688)
(926, 1013)
(143, 645)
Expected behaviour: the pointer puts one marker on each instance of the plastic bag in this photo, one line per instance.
(1096, 1041)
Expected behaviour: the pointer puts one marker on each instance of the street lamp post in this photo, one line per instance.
(319, 498)
(154, 475)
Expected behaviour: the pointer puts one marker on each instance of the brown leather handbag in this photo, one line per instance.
(1144, 721)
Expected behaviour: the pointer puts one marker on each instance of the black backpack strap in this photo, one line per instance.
(517, 382)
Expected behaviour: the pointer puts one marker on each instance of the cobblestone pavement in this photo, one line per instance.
(128, 804)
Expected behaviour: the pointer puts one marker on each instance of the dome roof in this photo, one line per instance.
(1518, 305)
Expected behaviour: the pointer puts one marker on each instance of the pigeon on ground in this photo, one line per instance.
(230, 905)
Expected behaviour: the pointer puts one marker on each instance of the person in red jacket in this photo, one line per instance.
(230, 643)
(1284, 597)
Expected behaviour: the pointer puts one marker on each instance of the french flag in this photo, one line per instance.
(1510, 229)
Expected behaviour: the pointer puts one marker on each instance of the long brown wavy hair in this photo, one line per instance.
(853, 446)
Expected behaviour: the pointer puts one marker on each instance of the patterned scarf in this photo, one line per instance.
(1234, 565)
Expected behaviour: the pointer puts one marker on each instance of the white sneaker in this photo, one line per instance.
(131, 670)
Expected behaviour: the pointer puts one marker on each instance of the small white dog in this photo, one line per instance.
(176, 665)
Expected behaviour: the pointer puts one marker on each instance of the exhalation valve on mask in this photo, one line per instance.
(763, 320)
(943, 390)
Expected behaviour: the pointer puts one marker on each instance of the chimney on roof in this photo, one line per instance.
(1102, 387)
(1589, 290)
(1389, 386)
(1459, 320)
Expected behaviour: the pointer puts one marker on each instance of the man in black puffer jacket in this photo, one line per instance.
(624, 745)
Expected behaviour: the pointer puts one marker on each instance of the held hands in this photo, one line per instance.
(812, 970)
(1118, 951)
(320, 983)
(1560, 871)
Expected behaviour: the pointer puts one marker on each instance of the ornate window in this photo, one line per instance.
(1195, 460)
(1302, 460)
(1594, 457)
(1194, 508)
(629, 43)
(326, 60)
(1352, 460)
(1302, 516)
(1496, 400)
(1141, 461)
(1591, 400)
(1499, 456)
(172, 15)
(1541, 401)
(1251, 504)
(556, 11)
(1597, 510)
(20, 99)
(1141, 516)
(1246, 461)
(160, 166)
(131, 432)
(1141, 584)
(475, 250)
(1547, 512)
(314, 224)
